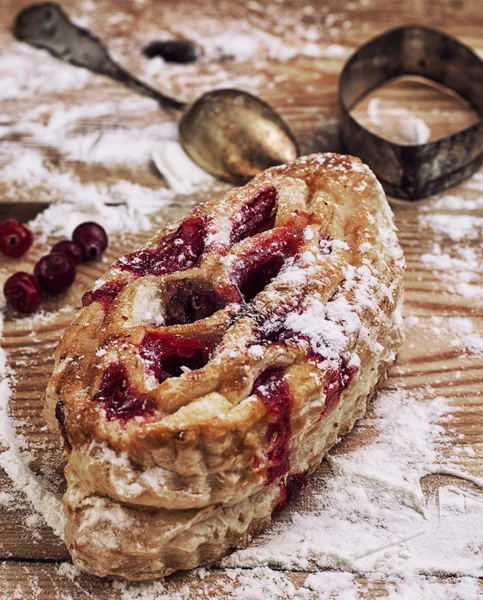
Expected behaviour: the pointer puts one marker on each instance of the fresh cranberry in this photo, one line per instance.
(55, 273)
(92, 238)
(71, 249)
(23, 292)
(15, 238)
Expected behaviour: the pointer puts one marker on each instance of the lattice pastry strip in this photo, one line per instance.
(202, 364)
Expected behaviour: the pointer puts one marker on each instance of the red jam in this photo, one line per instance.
(257, 278)
(165, 354)
(263, 262)
(340, 378)
(177, 251)
(104, 294)
(117, 398)
(289, 489)
(272, 388)
(254, 216)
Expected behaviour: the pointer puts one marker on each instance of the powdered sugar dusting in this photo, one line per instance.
(326, 326)
(15, 460)
(456, 256)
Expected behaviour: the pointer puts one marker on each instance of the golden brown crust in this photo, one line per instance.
(309, 344)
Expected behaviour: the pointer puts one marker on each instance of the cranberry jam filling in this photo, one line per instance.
(254, 216)
(191, 301)
(118, 399)
(104, 294)
(165, 354)
(177, 251)
(257, 279)
(340, 378)
(264, 261)
(272, 388)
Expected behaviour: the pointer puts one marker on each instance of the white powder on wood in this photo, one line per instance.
(370, 514)
(456, 257)
(15, 461)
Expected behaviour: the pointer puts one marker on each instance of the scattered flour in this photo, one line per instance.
(451, 202)
(465, 335)
(69, 131)
(456, 227)
(245, 45)
(24, 60)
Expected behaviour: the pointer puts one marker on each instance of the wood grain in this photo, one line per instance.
(303, 89)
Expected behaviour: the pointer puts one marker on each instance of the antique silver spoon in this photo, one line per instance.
(231, 134)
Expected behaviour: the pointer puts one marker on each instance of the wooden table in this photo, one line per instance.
(303, 89)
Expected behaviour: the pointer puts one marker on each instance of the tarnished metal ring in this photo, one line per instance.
(414, 171)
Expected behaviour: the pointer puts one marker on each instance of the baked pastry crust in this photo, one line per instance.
(208, 373)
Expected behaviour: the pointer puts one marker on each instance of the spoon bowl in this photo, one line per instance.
(234, 135)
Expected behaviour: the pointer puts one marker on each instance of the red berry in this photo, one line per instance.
(23, 292)
(92, 238)
(15, 238)
(71, 249)
(55, 273)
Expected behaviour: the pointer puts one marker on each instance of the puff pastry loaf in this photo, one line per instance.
(208, 373)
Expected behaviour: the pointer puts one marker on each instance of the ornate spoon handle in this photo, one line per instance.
(47, 26)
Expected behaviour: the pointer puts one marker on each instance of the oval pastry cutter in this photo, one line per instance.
(414, 171)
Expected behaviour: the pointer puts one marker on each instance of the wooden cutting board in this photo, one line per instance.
(303, 89)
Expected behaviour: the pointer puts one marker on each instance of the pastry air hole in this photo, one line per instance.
(191, 301)
(175, 365)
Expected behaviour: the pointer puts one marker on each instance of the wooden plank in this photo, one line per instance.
(55, 582)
